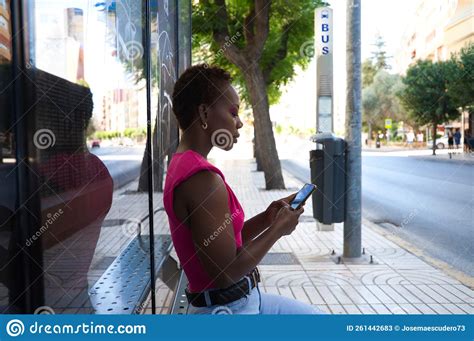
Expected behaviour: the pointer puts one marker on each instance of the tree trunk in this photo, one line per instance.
(255, 151)
(267, 153)
(369, 136)
(434, 137)
(157, 170)
(471, 122)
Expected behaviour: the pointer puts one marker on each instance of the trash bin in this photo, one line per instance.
(328, 174)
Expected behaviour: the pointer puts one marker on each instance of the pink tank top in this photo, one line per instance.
(182, 166)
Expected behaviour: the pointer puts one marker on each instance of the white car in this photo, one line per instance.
(441, 143)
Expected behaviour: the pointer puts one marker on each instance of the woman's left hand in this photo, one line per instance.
(275, 206)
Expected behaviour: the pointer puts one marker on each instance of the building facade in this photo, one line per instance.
(438, 29)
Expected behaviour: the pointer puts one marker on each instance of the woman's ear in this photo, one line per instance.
(202, 110)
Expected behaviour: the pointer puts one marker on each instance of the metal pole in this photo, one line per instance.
(352, 221)
(149, 168)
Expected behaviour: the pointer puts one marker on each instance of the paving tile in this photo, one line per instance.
(314, 295)
(366, 294)
(409, 308)
(453, 308)
(424, 309)
(300, 294)
(327, 295)
(469, 309)
(337, 309)
(381, 309)
(439, 308)
(351, 309)
(420, 294)
(396, 309)
(341, 295)
(366, 309)
(380, 294)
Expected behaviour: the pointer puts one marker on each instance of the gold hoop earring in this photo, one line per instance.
(204, 126)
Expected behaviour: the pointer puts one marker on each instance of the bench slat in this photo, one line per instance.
(180, 302)
(125, 285)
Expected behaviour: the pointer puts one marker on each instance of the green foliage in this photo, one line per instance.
(368, 73)
(379, 100)
(128, 132)
(461, 87)
(106, 135)
(288, 129)
(290, 21)
(426, 95)
(134, 132)
(379, 56)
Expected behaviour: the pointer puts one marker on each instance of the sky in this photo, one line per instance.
(387, 17)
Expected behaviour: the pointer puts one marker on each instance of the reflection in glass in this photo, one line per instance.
(90, 113)
(8, 249)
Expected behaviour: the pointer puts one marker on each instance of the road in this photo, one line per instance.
(428, 203)
(123, 163)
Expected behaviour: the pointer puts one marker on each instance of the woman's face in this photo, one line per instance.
(224, 121)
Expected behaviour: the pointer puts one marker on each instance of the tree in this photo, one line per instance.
(368, 73)
(369, 109)
(260, 42)
(379, 56)
(370, 68)
(461, 87)
(426, 96)
(379, 100)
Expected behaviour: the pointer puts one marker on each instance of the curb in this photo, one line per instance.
(430, 158)
(407, 246)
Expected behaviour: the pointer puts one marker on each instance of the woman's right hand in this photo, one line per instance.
(286, 220)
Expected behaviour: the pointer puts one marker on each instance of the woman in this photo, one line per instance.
(217, 249)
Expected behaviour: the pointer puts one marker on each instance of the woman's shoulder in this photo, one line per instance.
(191, 169)
(189, 162)
(199, 186)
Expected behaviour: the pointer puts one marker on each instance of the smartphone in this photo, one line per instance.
(302, 195)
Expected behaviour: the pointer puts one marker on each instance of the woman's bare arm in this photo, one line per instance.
(254, 226)
(213, 233)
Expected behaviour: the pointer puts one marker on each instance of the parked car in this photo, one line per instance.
(441, 143)
(95, 144)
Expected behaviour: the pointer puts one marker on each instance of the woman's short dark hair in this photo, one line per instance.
(199, 84)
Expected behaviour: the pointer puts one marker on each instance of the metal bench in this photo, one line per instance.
(180, 302)
(124, 287)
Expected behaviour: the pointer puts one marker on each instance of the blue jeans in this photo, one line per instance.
(258, 303)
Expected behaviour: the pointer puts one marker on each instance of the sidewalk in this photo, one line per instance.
(300, 266)
(456, 156)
